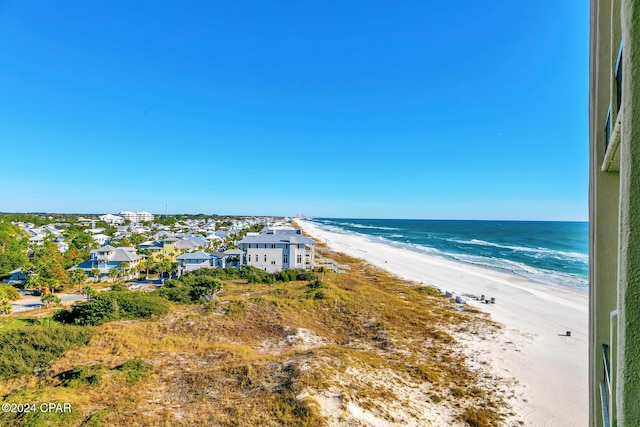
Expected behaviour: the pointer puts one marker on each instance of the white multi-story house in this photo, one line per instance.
(112, 219)
(278, 249)
(102, 239)
(137, 216)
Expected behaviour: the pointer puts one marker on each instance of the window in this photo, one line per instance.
(273, 246)
(273, 263)
(607, 129)
(248, 258)
(265, 258)
(285, 259)
(299, 259)
(618, 76)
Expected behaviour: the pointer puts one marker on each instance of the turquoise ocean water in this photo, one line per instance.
(546, 252)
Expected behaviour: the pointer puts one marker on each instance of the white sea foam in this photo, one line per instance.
(523, 270)
(372, 227)
(552, 253)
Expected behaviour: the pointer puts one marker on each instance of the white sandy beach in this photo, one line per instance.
(551, 369)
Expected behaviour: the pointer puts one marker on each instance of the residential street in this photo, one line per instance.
(31, 302)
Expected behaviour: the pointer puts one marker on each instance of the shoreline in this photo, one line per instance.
(451, 257)
(550, 367)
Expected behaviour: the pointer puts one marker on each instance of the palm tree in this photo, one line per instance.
(147, 264)
(95, 272)
(89, 292)
(125, 268)
(78, 276)
(114, 273)
(35, 282)
(49, 299)
(164, 265)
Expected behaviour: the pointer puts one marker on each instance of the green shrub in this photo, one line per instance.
(119, 287)
(191, 288)
(108, 306)
(234, 309)
(30, 349)
(135, 369)
(83, 375)
(97, 310)
(316, 284)
(319, 295)
(429, 290)
(457, 392)
(134, 305)
(9, 292)
(176, 291)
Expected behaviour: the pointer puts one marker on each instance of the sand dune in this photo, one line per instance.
(551, 368)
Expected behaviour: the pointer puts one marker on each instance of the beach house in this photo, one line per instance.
(107, 258)
(614, 213)
(274, 250)
(197, 260)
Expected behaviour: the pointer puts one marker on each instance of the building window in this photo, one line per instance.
(248, 258)
(285, 259)
(273, 263)
(265, 258)
(618, 75)
(607, 129)
(273, 246)
(299, 259)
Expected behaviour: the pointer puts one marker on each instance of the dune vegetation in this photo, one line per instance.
(363, 347)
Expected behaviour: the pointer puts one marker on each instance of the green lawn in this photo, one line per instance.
(10, 322)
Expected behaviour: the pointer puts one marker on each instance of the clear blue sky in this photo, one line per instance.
(392, 109)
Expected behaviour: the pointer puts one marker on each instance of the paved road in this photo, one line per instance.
(31, 302)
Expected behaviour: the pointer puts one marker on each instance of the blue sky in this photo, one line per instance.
(457, 109)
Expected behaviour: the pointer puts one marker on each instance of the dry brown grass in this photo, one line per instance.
(255, 356)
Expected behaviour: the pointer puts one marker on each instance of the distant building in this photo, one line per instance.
(101, 239)
(278, 249)
(62, 245)
(614, 214)
(137, 216)
(112, 219)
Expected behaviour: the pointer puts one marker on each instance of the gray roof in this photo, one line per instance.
(220, 255)
(195, 255)
(106, 248)
(122, 255)
(233, 252)
(277, 239)
(187, 244)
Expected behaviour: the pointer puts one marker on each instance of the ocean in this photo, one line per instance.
(546, 252)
